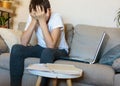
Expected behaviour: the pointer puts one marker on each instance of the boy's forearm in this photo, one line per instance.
(50, 40)
(26, 36)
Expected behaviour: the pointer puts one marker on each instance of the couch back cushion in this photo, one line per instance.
(112, 39)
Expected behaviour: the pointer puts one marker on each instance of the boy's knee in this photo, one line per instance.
(47, 55)
(17, 48)
(48, 51)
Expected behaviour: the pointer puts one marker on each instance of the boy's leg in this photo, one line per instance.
(49, 55)
(18, 54)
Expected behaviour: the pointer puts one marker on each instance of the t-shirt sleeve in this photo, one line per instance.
(57, 22)
(28, 22)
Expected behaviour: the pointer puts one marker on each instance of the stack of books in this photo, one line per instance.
(56, 68)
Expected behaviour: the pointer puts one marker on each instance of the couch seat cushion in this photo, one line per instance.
(95, 74)
(4, 60)
(117, 80)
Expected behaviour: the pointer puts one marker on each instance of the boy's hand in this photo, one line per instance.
(33, 15)
(40, 14)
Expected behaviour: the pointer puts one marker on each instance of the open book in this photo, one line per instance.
(57, 68)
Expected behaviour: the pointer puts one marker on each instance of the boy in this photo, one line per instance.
(51, 45)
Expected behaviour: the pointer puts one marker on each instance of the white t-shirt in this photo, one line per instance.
(55, 21)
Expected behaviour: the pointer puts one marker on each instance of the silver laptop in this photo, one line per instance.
(89, 55)
(93, 58)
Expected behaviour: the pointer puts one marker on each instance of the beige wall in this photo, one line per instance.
(92, 12)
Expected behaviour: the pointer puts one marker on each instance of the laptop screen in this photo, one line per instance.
(86, 45)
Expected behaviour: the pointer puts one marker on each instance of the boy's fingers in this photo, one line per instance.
(41, 8)
(38, 8)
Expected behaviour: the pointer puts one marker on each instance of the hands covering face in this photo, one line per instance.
(39, 13)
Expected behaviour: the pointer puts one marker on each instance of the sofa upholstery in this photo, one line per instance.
(94, 74)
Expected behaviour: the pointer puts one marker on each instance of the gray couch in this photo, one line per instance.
(94, 74)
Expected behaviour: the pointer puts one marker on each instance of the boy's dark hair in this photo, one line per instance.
(44, 3)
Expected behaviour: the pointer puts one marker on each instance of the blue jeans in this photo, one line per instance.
(19, 53)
